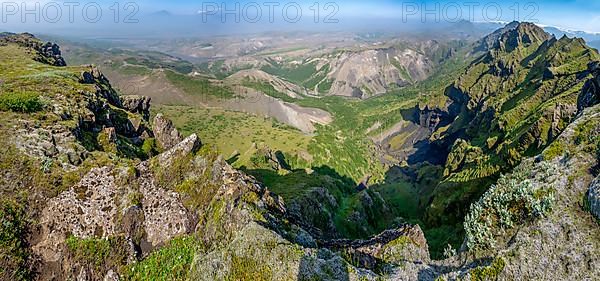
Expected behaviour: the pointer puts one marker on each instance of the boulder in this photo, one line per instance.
(165, 132)
(103, 205)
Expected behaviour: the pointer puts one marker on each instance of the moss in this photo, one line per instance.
(248, 268)
(92, 250)
(491, 142)
(250, 197)
(490, 272)
(100, 254)
(105, 144)
(556, 149)
(135, 198)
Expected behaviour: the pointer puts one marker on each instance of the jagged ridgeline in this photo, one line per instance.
(513, 101)
(93, 189)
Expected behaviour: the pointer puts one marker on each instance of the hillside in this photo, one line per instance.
(484, 167)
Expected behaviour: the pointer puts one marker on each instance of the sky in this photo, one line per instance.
(64, 16)
(581, 15)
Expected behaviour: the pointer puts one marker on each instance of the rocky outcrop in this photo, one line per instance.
(165, 132)
(505, 115)
(394, 246)
(53, 142)
(315, 212)
(593, 197)
(189, 145)
(48, 53)
(137, 104)
(51, 53)
(104, 204)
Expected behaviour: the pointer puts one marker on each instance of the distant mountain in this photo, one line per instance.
(162, 13)
(593, 39)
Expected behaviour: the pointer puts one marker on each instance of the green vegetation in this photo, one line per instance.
(198, 86)
(403, 72)
(515, 199)
(297, 74)
(233, 132)
(219, 70)
(267, 89)
(26, 102)
(171, 262)
(14, 251)
(556, 149)
(248, 268)
(490, 272)
(100, 254)
(150, 147)
(126, 62)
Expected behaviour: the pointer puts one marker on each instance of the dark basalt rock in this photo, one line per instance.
(590, 94)
(137, 104)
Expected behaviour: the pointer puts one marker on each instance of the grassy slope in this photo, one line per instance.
(232, 131)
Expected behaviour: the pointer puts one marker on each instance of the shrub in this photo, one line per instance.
(25, 102)
(490, 272)
(449, 251)
(513, 200)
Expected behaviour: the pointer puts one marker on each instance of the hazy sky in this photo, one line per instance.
(574, 14)
(571, 14)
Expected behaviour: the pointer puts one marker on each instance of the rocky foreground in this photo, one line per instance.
(93, 189)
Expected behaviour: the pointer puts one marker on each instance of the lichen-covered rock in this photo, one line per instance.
(52, 52)
(165, 216)
(50, 143)
(257, 253)
(185, 147)
(104, 204)
(165, 132)
(406, 244)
